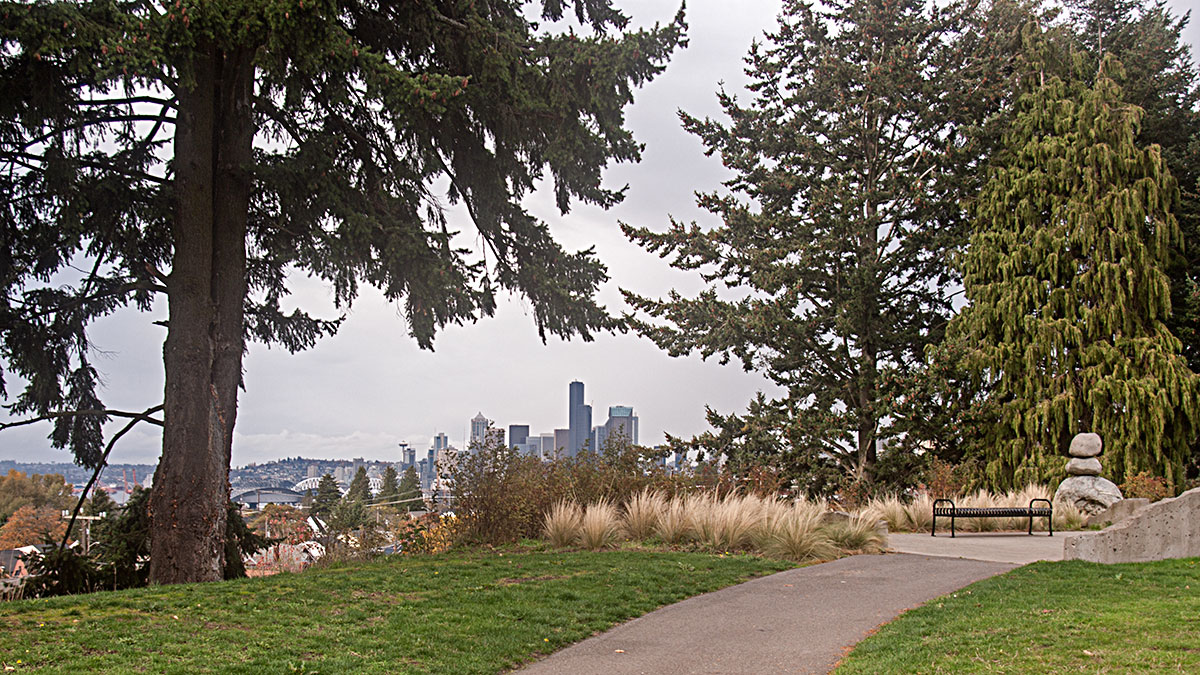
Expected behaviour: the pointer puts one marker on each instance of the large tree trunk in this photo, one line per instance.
(205, 291)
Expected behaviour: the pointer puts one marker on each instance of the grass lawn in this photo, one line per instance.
(472, 612)
(1050, 618)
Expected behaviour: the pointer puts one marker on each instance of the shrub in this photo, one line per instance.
(1145, 486)
(599, 527)
(562, 524)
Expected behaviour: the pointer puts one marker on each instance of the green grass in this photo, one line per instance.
(472, 612)
(1050, 618)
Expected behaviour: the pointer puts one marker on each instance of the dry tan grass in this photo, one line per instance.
(1066, 517)
(857, 535)
(642, 514)
(920, 512)
(600, 527)
(798, 535)
(674, 523)
(561, 524)
(890, 509)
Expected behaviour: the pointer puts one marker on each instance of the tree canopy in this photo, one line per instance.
(828, 270)
(205, 150)
(1068, 292)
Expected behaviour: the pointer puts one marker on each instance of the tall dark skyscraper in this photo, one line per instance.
(579, 416)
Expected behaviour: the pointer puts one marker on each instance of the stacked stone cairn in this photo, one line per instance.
(1084, 487)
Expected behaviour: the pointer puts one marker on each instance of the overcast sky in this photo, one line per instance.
(368, 388)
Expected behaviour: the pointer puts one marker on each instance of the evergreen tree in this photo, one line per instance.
(389, 487)
(862, 136)
(99, 503)
(1160, 77)
(201, 151)
(410, 491)
(1067, 290)
(328, 495)
(360, 487)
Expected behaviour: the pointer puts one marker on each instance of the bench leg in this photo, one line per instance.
(933, 527)
(952, 526)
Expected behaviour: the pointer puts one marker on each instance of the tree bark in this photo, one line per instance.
(205, 291)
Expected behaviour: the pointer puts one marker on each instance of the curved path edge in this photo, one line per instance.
(798, 621)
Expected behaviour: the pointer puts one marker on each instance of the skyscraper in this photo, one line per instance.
(579, 416)
(479, 427)
(518, 434)
(623, 423)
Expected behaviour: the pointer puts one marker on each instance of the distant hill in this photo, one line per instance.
(74, 473)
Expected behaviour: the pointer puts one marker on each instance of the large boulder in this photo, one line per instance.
(1090, 494)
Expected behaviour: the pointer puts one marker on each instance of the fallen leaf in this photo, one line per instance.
(619, 651)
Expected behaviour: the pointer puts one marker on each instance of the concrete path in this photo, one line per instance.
(1010, 547)
(798, 621)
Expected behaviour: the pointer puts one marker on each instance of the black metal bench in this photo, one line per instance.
(1030, 511)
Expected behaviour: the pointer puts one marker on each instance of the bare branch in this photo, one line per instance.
(141, 417)
(144, 416)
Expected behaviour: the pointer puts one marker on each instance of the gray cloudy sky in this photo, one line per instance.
(362, 391)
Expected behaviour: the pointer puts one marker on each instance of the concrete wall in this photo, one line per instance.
(1166, 529)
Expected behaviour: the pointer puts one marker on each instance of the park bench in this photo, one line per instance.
(1030, 511)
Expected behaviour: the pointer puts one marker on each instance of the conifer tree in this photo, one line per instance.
(410, 491)
(328, 494)
(360, 487)
(1160, 76)
(389, 487)
(848, 166)
(1067, 291)
(200, 151)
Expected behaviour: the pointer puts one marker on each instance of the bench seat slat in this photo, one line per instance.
(983, 512)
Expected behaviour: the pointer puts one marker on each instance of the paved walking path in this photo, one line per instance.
(802, 620)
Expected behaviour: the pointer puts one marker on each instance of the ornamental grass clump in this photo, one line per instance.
(734, 519)
(674, 523)
(890, 509)
(562, 524)
(600, 526)
(642, 514)
(920, 512)
(857, 535)
(798, 536)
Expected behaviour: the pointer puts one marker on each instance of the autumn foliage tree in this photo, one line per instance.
(18, 489)
(202, 150)
(33, 525)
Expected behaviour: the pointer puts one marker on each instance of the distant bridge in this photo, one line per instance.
(311, 484)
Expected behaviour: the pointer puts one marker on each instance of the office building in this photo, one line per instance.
(479, 429)
(518, 434)
(579, 416)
